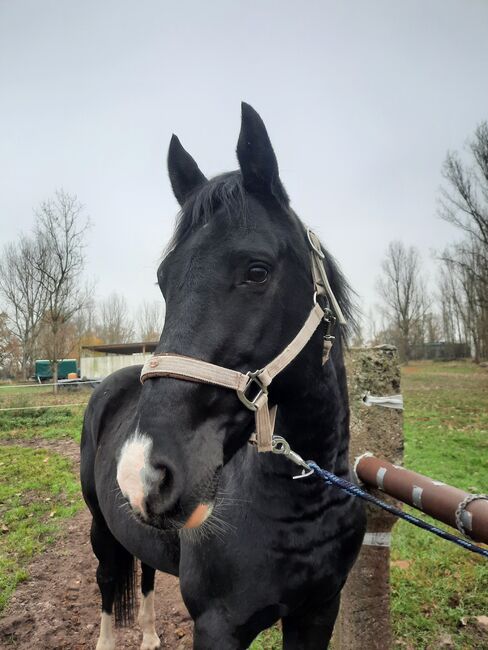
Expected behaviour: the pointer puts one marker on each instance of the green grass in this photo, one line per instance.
(59, 420)
(38, 489)
(269, 640)
(27, 389)
(45, 423)
(446, 437)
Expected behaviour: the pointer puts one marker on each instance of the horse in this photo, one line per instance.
(170, 468)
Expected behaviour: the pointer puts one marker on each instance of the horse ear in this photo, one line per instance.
(184, 173)
(257, 159)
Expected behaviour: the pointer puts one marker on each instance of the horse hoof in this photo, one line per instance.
(150, 642)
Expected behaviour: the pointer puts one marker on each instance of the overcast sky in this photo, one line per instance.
(362, 100)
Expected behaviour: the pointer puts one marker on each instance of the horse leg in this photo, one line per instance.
(310, 626)
(115, 578)
(147, 617)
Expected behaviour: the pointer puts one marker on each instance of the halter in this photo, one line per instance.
(252, 387)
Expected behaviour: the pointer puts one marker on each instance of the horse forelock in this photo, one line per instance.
(225, 192)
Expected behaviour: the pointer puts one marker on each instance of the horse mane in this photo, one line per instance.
(227, 192)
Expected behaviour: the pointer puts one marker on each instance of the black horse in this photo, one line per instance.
(166, 467)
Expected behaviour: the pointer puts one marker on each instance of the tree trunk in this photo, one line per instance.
(24, 362)
(55, 332)
(55, 377)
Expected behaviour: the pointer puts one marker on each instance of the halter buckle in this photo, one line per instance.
(330, 321)
(250, 401)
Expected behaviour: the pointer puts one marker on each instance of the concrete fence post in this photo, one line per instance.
(364, 618)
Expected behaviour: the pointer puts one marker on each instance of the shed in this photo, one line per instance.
(98, 361)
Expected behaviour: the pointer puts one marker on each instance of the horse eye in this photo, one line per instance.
(257, 274)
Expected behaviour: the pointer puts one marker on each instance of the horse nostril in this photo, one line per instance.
(160, 489)
(165, 480)
(163, 473)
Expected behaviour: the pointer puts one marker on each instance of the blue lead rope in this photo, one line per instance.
(351, 488)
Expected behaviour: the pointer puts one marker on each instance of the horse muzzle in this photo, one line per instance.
(156, 492)
(149, 484)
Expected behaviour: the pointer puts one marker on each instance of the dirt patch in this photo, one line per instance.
(58, 607)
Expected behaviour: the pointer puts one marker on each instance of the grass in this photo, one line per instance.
(38, 489)
(268, 640)
(55, 421)
(446, 437)
(44, 423)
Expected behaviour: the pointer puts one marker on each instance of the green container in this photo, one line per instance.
(44, 370)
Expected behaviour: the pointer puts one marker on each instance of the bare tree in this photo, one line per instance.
(376, 326)
(4, 338)
(404, 294)
(464, 203)
(10, 350)
(115, 325)
(23, 294)
(85, 321)
(150, 321)
(61, 231)
(453, 327)
(465, 294)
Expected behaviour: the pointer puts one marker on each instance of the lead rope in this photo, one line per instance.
(280, 446)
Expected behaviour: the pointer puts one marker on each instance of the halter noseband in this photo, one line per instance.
(252, 387)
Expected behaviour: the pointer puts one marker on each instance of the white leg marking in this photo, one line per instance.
(147, 620)
(106, 639)
(130, 469)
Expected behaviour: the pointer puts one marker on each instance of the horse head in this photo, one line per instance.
(238, 287)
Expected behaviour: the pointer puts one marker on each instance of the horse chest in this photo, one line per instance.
(266, 562)
(305, 543)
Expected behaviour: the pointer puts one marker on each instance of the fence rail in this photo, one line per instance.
(468, 513)
(60, 383)
(41, 406)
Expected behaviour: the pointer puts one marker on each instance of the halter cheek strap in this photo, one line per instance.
(252, 387)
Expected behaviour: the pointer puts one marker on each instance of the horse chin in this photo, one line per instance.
(163, 523)
(198, 517)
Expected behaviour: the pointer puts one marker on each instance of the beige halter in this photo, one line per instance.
(190, 369)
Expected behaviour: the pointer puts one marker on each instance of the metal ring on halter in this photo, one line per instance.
(250, 402)
(281, 446)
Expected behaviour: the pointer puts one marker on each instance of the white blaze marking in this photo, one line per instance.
(130, 468)
(106, 639)
(147, 619)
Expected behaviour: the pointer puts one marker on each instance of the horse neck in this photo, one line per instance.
(315, 420)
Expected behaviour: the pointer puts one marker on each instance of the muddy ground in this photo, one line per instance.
(58, 607)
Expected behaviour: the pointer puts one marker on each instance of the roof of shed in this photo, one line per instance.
(122, 348)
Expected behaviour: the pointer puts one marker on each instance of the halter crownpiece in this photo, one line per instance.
(252, 387)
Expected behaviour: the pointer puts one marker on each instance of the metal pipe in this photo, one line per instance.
(448, 504)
